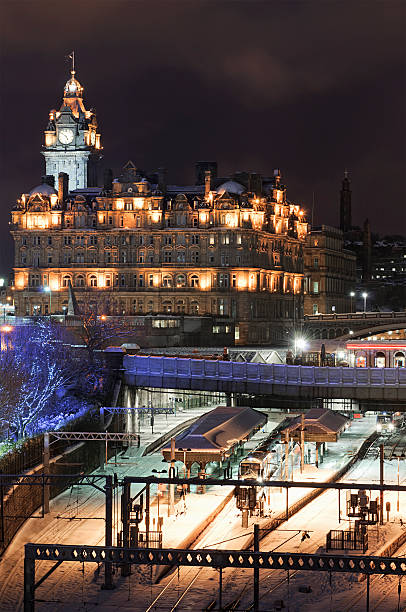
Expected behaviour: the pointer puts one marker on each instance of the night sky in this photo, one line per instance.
(311, 87)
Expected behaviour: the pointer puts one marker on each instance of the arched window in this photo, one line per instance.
(65, 281)
(181, 280)
(194, 280)
(167, 306)
(93, 281)
(399, 360)
(194, 307)
(180, 306)
(380, 361)
(80, 281)
(167, 280)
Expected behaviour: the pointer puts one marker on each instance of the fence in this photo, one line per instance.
(346, 540)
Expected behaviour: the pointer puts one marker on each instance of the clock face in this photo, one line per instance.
(92, 137)
(65, 136)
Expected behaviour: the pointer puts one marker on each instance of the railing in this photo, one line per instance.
(264, 374)
(346, 540)
(356, 316)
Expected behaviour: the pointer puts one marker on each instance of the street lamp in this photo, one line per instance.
(159, 472)
(47, 289)
(352, 296)
(4, 338)
(365, 295)
(184, 451)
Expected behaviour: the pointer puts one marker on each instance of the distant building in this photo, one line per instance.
(345, 204)
(330, 272)
(227, 247)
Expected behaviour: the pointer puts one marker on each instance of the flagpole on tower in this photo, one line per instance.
(71, 56)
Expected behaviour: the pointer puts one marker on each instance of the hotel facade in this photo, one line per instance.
(229, 247)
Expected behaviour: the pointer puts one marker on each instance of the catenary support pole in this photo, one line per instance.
(108, 537)
(147, 504)
(221, 588)
(256, 569)
(125, 509)
(381, 456)
(171, 488)
(46, 472)
(367, 606)
(286, 455)
(29, 584)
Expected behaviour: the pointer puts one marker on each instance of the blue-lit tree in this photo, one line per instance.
(42, 383)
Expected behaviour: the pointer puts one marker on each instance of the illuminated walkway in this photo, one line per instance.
(387, 384)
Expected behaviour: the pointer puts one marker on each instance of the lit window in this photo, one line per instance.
(315, 287)
(181, 280)
(93, 281)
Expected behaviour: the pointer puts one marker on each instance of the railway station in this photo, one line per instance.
(217, 436)
(318, 425)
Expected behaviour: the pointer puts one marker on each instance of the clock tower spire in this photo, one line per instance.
(72, 141)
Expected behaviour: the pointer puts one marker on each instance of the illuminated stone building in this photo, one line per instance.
(229, 248)
(330, 272)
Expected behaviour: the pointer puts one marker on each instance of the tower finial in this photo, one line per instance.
(346, 173)
(72, 57)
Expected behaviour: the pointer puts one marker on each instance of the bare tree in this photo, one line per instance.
(97, 331)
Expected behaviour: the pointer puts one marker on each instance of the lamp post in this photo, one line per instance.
(4, 337)
(365, 295)
(48, 290)
(187, 474)
(352, 296)
(159, 472)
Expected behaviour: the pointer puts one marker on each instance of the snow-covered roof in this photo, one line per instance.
(219, 429)
(43, 189)
(319, 421)
(231, 187)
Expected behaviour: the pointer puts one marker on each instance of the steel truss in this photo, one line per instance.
(93, 435)
(362, 564)
(287, 484)
(79, 479)
(120, 409)
(218, 559)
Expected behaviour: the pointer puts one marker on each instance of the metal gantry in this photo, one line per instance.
(361, 564)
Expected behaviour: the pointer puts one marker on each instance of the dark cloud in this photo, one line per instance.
(311, 87)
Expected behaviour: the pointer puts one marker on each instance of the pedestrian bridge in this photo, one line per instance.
(352, 325)
(387, 384)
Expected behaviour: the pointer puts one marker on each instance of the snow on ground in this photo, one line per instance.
(76, 586)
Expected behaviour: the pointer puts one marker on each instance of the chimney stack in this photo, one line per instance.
(162, 173)
(49, 179)
(207, 183)
(200, 169)
(63, 183)
(108, 179)
(255, 183)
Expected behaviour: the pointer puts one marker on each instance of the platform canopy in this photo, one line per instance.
(320, 425)
(213, 436)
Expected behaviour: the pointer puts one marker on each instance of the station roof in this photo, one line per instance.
(214, 434)
(321, 425)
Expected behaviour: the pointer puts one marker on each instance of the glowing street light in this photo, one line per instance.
(159, 472)
(47, 289)
(300, 344)
(365, 295)
(352, 296)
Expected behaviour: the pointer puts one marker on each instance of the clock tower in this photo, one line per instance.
(72, 142)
